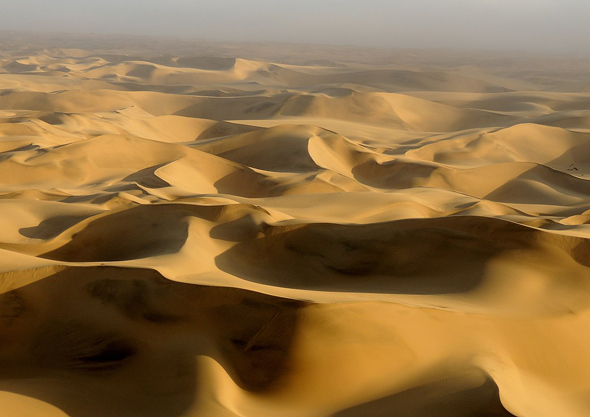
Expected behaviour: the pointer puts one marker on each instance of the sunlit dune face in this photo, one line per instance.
(166, 207)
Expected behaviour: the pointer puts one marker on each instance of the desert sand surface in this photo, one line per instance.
(243, 230)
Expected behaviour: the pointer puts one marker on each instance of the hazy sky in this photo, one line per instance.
(534, 25)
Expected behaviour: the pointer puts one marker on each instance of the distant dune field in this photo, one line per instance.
(292, 231)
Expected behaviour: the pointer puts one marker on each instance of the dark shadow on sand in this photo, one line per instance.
(105, 341)
(416, 256)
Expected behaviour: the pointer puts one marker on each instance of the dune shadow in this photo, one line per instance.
(541, 185)
(148, 178)
(51, 227)
(138, 232)
(416, 256)
(221, 129)
(392, 174)
(140, 86)
(105, 341)
(246, 183)
(573, 158)
(10, 153)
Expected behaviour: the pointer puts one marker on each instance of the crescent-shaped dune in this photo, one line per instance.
(277, 231)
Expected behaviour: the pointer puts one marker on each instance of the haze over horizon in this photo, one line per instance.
(294, 224)
(536, 26)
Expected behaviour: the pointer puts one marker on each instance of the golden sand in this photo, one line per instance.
(309, 233)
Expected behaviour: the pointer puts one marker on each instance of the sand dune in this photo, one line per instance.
(288, 232)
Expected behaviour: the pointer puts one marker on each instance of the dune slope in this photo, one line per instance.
(267, 232)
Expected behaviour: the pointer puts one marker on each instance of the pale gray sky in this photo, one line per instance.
(533, 25)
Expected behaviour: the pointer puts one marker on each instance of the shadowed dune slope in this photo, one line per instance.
(212, 230)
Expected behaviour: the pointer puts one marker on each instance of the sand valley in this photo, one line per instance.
(226, 230)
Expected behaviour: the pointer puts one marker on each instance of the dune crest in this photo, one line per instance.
(291, 232)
